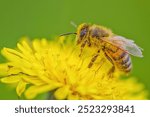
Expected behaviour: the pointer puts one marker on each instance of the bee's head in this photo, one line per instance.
(82, 32)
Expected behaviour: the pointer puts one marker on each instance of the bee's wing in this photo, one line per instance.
(126, 44)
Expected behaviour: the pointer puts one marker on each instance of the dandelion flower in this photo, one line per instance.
(42, 66)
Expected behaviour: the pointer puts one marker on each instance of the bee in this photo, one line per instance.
(117, 49)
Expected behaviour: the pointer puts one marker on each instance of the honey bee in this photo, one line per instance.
(117, 49)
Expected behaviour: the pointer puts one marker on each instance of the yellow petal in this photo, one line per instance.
(33, 91)
(62, 92)
(29, 71)
(21, 87)
(33, 80)
(12, 51)
(44, 42)
(3, 69)
(36, 45)
(11, 79)
(12, 55)
(25, 43)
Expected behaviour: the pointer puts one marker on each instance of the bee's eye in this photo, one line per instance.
(83, 32)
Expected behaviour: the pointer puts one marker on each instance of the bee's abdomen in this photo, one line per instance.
(121, 60)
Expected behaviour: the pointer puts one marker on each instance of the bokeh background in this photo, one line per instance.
(47, 18)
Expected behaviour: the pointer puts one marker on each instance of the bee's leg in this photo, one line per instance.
(89, 42)
(111, 71)
(94, 59)
(82, 46)
(102, 61)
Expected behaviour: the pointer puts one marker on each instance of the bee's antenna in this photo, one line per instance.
(73, 24)
(70, 33)
(67, 34)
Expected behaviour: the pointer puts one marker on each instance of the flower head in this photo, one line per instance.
(46, 66)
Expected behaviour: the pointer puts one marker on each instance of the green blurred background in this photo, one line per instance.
(46, 18)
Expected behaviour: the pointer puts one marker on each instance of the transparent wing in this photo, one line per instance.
(126, 44)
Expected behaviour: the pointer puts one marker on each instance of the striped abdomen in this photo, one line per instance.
(120, 58)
